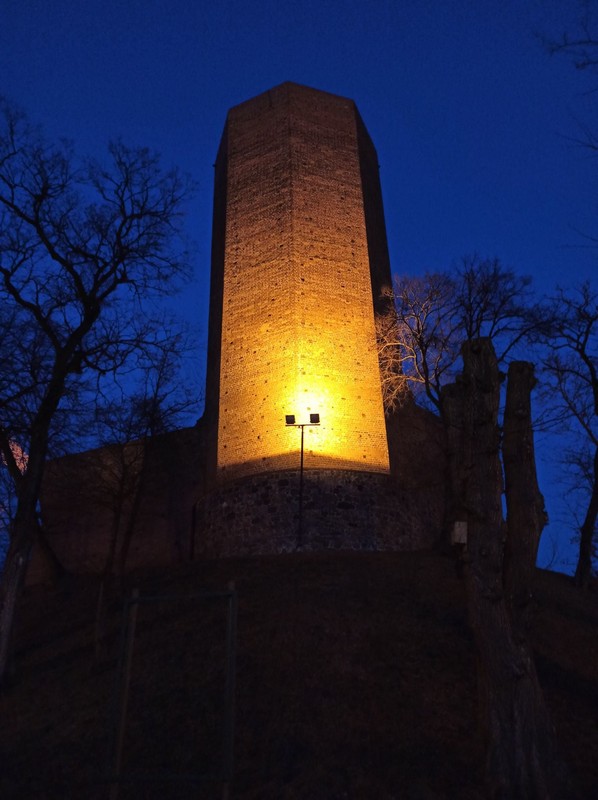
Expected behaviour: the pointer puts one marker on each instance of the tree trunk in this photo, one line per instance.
(13, 577)
(583, 573)
(56, 570)
(117, 515)
(137, 497)
(521, 762)
(526, 513)
(100, 617)
(451, 412)
(22, 538)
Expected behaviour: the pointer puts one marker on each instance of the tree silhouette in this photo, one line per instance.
(421, 334)
(569, 328)
(84, 247)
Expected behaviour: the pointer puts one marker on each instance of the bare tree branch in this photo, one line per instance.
(84, 247)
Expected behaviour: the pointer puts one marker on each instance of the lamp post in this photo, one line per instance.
(314, 419)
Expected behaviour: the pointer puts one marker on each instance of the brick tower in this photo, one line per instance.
(299, 261)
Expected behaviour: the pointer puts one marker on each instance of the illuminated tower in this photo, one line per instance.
(299, 261)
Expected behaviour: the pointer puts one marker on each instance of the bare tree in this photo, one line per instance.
(488, 310)
(572, 334)
(522, 755)
(420, 337)
(569, 325)
(119, 477)
(83, 248)
(580, 42)
(417, 341)
(129, 432)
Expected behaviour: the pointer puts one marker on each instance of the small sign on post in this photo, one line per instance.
(459, 532)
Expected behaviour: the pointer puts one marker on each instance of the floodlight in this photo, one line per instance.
(314, 419)
(289, 419)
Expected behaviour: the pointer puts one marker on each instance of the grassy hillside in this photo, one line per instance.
(355, 680)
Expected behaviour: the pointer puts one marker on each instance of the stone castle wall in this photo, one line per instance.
(89, 505)
(341, 510)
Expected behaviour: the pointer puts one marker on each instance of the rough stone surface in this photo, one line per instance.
(341, 510)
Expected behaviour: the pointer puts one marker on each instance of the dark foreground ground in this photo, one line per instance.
(355, 680)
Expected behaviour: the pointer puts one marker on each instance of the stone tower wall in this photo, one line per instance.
(291, 317)
(299, 263)
(340, 510)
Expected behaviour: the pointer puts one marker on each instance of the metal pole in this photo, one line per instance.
(300, 525)
(229, 699)
(125, 678)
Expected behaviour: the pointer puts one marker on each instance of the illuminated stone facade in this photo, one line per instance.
(299, 259)
(299, 264)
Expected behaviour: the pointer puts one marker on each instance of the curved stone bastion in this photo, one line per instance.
(340, 510)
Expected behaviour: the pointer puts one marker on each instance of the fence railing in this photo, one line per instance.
(118, 722)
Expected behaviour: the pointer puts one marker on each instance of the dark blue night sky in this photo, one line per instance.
(472, 120)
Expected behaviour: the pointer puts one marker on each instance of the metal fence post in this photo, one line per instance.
(125, 681)
(229, 693)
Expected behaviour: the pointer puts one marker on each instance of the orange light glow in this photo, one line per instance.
(351, 433)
